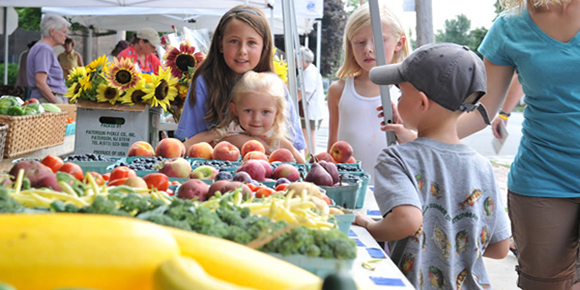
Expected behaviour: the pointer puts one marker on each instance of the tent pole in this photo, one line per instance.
(381, 60)
(5, 45)
(318, 42)
(90, 44)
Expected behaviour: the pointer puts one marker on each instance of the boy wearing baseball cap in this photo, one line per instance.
(441, 204)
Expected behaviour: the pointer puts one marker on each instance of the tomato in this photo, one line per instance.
(97, 177)
(282, 186)
(31, 101)
(106, 176)
(122, 172)
(175, 182)
(264, 192)
(327, 199)
(170, 192)
(159, 181)
(52, 161)
(117, 182)
(72, 169)
(253, 187)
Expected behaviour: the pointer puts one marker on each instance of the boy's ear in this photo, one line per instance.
(424, 101)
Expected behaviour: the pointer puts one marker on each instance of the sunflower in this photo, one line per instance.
(86, 82)
(98, 64)
(73, 92)
(135, 94)
(107, 93)
(77, 73)
(161, 90)
(122, 74)
(181, 60)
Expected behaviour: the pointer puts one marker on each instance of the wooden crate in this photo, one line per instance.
(29, 133)
(70, 108)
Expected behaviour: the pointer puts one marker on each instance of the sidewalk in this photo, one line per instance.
(501, 273)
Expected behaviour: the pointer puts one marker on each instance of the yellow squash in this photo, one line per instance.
(47, 251)
(241, 265)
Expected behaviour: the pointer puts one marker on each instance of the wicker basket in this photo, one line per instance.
(29, 133)
(3, 129)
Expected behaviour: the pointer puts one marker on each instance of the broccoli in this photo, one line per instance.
(59, 206)
(133, 201)
(7, 203)
(238, 235)
(233, 215)
(167, 221)
(102, 205)
(312, 250)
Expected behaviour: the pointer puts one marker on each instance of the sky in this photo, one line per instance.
(480, 12)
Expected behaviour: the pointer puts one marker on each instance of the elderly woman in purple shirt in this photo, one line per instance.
(44, 73)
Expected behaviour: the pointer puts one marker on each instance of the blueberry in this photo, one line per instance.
(223, 175)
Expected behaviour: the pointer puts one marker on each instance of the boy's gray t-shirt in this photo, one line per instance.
(463, 211)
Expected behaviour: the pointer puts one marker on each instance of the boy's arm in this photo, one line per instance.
(497, 250)
(401, 222)
(205, 136)
(284, 143)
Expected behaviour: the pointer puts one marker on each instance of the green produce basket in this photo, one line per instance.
(318, 266)
(344, 196)
(362, 191)
(99, 166)
(344, 221)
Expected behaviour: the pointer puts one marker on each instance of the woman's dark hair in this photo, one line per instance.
(218, 77)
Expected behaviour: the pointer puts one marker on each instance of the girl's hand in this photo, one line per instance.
(403, 134)
(495, 127)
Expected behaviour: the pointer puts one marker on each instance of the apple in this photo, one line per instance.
(141, 148)
(176, 167)
(225, 150)
(193, 188)
(254, 168)
(255, 155)
(281, 155)
(242, 176)
(341, 151)
(287, 171)
(136, 182)
(200, 150)
(252, 145)
(170, 148)
(204, 172)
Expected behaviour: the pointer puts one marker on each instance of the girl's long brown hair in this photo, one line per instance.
(219, 78)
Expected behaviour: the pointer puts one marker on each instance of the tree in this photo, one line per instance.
(333, 23)
(29, 18)
(456, 31)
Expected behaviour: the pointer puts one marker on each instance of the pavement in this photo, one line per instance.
(501, 272)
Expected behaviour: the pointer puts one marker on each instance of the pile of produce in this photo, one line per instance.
(14, 106)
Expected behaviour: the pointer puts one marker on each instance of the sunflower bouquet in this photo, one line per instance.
(120, 82)
(183, 62)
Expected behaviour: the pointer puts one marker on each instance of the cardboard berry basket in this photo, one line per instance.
(30, 133)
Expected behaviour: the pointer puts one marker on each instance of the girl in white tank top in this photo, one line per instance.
(353, 100)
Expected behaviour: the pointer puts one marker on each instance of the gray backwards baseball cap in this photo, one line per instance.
(447, 73)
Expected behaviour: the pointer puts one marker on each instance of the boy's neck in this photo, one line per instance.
(442, 128)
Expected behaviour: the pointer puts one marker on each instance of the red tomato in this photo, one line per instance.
(72, 169)
(327, 199)
(264, 192)
(31, 101)
(52, 161)
(252, 187)
(282, 186)
(106, 176)
(157, 180)
(122, 172)
(170, 192)
(97, 177)
(117, 182)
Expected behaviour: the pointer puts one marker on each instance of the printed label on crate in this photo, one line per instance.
(111, 139)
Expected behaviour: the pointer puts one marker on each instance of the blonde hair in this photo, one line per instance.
(360, 18)
(530, 4)
(267, 83)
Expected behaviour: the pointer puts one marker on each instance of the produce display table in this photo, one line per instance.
(64, 149)
(385, 275)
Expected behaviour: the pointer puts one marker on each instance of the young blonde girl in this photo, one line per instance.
(241, 42)
(353, 100)
(258, 110)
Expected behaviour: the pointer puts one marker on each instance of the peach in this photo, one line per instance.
(252, 145)
(322, 156)
(351, 160)
(257, 168)
(200, 150)
(255, 155)
(176, 167)
(170, 148)
(287, 171)
(225, 150)
(141, 148)
(281, 155)
(341, 151)
(136, 182)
